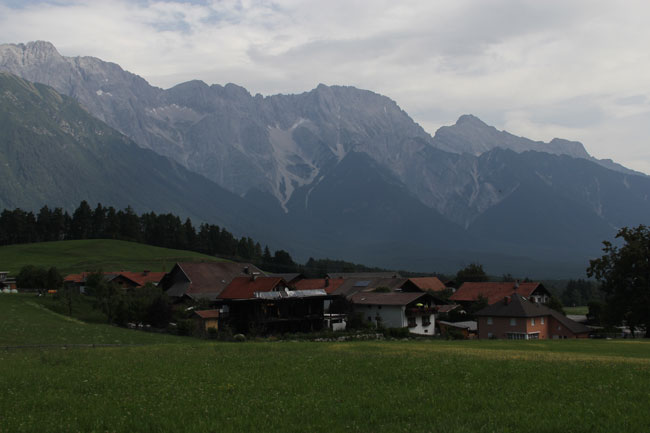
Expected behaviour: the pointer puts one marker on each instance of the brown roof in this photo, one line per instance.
(392, 298)
(319, 283)
(518, 306)
(245, 287)
(428, 283)
(493, 291)
(207, 314)
(207, 279)
(350, 286)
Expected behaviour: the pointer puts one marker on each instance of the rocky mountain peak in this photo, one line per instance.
(470, 120)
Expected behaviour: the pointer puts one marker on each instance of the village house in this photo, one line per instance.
(471, 292)
(125, 279)
(516, 317)
(267, 305)
(415, 310)
(205, 280)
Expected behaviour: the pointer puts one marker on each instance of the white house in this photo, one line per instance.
(398, 310)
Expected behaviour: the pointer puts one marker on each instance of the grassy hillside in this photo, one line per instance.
(92, 254)
(196, 386)
(25, 321)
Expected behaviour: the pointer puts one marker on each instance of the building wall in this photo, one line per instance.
(540, 327)
(391, 316)
(395, 317)
(558, 330)
(550, 329)
(421, 329)
(500, 327)
(211, 323)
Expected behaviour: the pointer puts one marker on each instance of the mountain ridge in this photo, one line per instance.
(285, 156)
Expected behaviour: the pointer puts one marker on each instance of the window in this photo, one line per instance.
(513, 322)
(489, 320)
(541, 320)
(426, 320)
(517, 336)
(412, 322)
(490, 335)
(532, 321)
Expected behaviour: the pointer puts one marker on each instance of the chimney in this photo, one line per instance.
(245, 270)
(327, 281)
(146, 272)
(516, 284)
(506, 300)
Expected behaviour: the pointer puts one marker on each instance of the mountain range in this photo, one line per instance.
(342, 172)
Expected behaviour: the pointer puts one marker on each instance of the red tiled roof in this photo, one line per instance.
(207, 314)
(75, 278)
(139, 278)
(493, 291)
(143, 278)
(319, 283)
(428, 283)
(245, 287)
(213, 277)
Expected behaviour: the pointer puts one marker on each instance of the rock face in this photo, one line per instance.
(52, 152)
(471, 135)
(348, 164)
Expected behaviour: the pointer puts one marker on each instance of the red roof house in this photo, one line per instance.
(327, 284)
(246, 287)
(495, 291)
(205, 280)
(428, 284)
(516, 317)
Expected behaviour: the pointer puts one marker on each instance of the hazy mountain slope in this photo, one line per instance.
(53, 152)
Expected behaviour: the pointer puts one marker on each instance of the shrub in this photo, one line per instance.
(397, 332)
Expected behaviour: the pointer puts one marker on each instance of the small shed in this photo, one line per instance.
(207, 319)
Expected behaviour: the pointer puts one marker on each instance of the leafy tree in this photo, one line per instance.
(82, 221)
(32, 277)
(625, 276)
(107, 296)
(555, 304)
(53, 279)
(473, 272)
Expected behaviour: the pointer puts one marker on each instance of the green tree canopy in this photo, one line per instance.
(473, 272)
(624, 272)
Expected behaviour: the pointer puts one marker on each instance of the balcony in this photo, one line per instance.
(420, 311)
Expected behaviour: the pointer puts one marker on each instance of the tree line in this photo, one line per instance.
(162, 230)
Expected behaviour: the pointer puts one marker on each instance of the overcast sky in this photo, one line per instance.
(578, 70)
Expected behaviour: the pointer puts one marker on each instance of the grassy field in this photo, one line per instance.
(576, 310)
(92, 254)
(175, 384)
(24, 320)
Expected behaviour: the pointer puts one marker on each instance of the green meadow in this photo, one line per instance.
(92, 254)
(173, 384)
